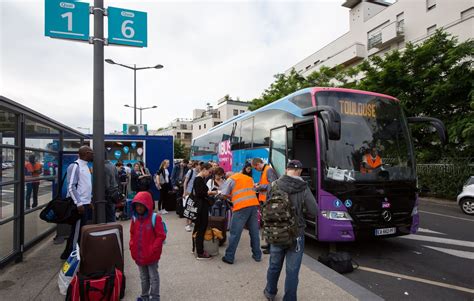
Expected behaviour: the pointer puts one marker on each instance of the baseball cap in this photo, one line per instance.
(294, 164)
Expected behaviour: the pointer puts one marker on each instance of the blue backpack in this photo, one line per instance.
(153, 222)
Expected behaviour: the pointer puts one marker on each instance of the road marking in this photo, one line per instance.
(429, 231)
(457, 253)
(448, 241)
(412, 278)
(464, 219)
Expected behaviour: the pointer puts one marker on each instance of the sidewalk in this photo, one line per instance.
(182, 277)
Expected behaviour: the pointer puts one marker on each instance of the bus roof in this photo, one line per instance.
(285, 105)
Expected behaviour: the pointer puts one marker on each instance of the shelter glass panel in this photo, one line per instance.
(8, 129)
(7, 202)
(39, 135)
(7, 160)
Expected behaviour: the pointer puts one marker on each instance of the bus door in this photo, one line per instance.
(278, 149)
(303, 148)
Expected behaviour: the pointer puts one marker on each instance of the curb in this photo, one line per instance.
(344, 283)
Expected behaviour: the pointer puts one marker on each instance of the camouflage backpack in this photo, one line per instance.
(279, 220)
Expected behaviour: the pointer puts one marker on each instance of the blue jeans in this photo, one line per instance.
(246, 216)
(150, 280)
(293, 256)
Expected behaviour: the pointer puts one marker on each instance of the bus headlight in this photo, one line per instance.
(414, 211)
(337, 215)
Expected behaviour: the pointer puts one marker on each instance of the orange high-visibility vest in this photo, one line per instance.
(262, 196)
(35, 169)
(373, 163)
(243, 194)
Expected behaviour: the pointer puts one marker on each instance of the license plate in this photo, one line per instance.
(385, 231)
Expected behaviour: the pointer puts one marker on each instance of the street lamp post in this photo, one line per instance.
(141, 110)
(134, 68)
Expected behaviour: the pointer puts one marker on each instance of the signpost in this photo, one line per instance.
(127, 27)
(70, 20)
(67, 20)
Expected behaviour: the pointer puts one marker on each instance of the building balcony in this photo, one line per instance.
(347, 56)
(391, 33)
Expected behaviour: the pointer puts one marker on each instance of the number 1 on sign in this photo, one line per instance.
(68, 15)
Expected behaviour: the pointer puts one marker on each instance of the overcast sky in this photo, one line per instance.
(208, 49)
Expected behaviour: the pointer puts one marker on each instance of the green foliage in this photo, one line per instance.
(444, 181)
(180, 150)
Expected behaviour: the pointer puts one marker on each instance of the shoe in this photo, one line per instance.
(188, 228)
(256, 259)
(265, 247)
(267, 295)
(226, 260)
(266, 251)
(163, 211)
(65, 255)
(204, 256)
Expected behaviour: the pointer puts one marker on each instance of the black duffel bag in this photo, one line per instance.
(341, 262)
(60, 211)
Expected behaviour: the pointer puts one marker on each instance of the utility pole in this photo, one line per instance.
(98, 114)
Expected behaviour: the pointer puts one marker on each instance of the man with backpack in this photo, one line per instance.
(289, 196)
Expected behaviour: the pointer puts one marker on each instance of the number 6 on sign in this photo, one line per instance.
(129, 29)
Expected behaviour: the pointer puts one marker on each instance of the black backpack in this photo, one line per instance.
(341, 262)
(280, 225)
(122, 173)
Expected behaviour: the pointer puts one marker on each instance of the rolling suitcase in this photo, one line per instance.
(102, 248)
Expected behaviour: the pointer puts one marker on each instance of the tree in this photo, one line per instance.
(180, 151)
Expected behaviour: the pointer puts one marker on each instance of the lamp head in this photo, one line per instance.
(154, 107)
(110, 61)
(159, 66)
(126, 106)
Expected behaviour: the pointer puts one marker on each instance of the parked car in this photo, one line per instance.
(466, 197)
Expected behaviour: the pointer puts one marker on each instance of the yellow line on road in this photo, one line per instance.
(441, 284)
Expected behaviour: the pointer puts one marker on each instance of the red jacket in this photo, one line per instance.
(146, 242)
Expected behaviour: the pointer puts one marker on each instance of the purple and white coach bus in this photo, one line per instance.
(339, 135)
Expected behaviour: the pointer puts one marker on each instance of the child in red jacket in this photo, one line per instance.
(147, 235)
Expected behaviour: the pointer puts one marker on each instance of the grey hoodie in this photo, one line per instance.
(299, 194)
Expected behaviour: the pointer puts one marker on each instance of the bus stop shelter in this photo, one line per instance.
(29, 141)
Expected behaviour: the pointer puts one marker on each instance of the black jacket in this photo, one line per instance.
(300, 195)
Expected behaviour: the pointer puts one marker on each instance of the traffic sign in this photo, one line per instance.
(127, 27)
(66, 20)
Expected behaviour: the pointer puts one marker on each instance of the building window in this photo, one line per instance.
(199, 126)
(217, 123)
(204, 125)
(430, 4)
(430, 30)
(236, 112)
(188, 136)
(183, 127)
(178, 135)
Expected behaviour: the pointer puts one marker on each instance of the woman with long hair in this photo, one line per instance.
(200, 194)
(162, 182)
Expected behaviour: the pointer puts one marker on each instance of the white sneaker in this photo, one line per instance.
(163, 211)
(188, 228)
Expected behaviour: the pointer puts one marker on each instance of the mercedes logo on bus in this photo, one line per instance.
(386, 215)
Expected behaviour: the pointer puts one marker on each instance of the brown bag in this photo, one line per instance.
(219, 222)
(101, 248)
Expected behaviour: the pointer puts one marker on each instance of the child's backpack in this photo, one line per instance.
(153, 222)
(280, 225)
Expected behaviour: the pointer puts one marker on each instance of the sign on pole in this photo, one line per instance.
(127, 27)
(67, 20)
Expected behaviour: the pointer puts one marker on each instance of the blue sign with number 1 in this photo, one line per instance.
(66, 20)
(127, 27)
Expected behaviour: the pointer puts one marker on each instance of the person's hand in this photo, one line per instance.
(80, 209)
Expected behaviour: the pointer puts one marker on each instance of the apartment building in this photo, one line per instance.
(205, 119)
(377, 26)
(180, 128)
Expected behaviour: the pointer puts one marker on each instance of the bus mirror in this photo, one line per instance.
(436, 123)
(332, 120)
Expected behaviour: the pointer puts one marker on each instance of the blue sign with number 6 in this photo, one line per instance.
(127, 27)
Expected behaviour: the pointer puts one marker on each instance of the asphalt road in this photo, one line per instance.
(435, 264)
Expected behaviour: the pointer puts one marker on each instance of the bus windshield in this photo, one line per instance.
(374, 145)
